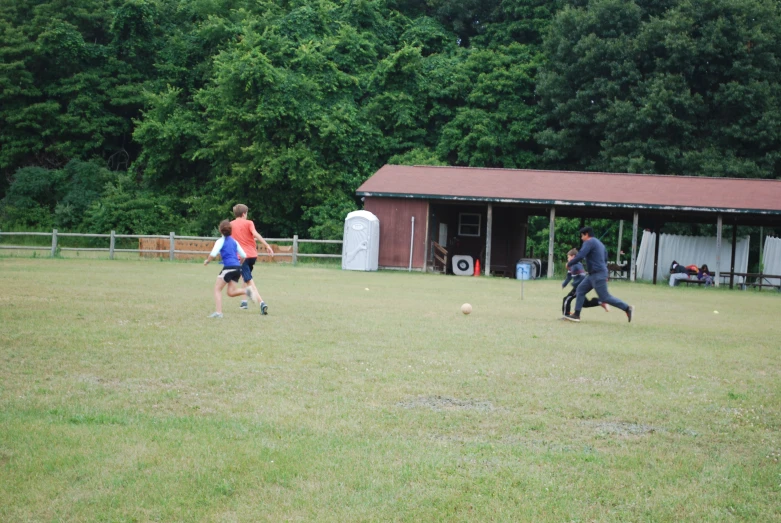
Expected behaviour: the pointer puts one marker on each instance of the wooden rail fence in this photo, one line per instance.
(176, 247)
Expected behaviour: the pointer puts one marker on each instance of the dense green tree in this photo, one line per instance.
(186, 108)
(695, 90)
(72, 76)
(496, 127)
(42, 197)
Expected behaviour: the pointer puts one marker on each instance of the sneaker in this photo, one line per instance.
(263, 308)
(215, 315)
(629, 312)
(605, 306)
(248, 292)
(243, 305)
(573, 317)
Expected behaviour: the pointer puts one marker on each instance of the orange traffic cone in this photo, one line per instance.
(477, 268)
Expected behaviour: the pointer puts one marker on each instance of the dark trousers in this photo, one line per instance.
(598, 282)
(566, 304)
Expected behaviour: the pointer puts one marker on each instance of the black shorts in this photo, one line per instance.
(246, 268)
(230, 274)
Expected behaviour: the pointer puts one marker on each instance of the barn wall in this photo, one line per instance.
(395, 215)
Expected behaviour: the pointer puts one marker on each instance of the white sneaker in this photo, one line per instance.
(215, 315)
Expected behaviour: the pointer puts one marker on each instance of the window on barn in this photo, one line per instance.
(469, 224)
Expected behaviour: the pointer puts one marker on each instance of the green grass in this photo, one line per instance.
(121, 401)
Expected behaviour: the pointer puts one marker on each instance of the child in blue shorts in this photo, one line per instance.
(232, 255)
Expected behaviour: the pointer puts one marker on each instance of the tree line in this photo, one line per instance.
(146, 116)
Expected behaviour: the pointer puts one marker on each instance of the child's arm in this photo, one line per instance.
(566, 280)
(215, 250)
(240, 252)
(258, 237)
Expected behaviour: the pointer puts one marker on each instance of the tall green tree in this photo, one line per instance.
(694, 90)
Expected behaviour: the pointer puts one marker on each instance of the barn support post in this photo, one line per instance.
(551, 234)
(411, 243)
(632, 267)
(426, 238)
(620, 236)
(489, 223)
(658, 234)
(732, 260)
(718, 250)
(524, 236)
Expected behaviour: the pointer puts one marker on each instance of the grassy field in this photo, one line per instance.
(370, 397)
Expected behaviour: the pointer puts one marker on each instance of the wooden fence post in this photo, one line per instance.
(111, 245)
(54, 242)
(171, 240)
(295, 249)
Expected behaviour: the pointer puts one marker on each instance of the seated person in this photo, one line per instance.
(677, 272)
(704, 274)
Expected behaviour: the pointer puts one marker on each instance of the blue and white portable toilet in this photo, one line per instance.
(361, 242)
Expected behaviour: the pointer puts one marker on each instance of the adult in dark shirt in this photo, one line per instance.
(595, 254)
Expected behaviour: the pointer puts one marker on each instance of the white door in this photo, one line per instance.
(356, 245)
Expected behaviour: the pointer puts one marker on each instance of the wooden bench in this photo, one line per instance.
(618, 272)
(688, 281)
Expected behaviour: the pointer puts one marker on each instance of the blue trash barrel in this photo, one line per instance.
(523, 271)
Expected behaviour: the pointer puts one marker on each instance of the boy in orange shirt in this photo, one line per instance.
(245, 234)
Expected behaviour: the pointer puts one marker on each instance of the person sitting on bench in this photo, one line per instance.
(677, 272)
(704, 274)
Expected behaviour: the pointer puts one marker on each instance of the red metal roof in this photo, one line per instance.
(563, 188)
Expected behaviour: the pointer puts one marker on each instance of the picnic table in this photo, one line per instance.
(752, 279)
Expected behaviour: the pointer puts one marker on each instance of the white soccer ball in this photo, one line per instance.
(466, 308)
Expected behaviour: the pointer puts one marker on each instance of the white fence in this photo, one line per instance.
(295, 254)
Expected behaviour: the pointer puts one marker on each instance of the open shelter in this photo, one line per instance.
(425, 211)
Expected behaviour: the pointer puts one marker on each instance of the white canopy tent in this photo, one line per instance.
(689, 250)
(771, 259)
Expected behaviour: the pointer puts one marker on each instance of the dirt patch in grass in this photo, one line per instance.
(445, 403)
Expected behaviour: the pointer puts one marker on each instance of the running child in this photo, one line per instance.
(244, 232)
(576, 274)
(232, 255)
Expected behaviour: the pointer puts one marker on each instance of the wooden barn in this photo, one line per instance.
(428, 213)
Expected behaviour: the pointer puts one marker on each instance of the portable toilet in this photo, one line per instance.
(361, 242)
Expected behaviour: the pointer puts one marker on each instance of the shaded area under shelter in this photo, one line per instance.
(425, 210)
